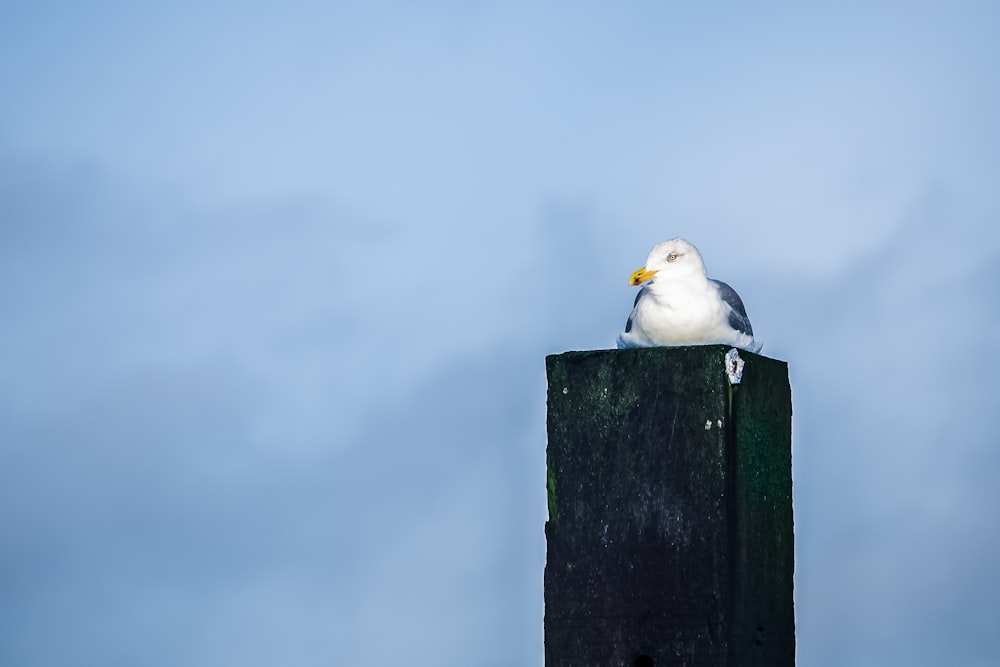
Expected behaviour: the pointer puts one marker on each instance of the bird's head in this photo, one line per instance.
(675, 258)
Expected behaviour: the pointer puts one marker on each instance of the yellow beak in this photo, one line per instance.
(641, 276)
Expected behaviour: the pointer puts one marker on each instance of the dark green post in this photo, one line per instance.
(669, 540)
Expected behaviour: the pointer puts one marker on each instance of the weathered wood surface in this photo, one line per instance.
(669, 540)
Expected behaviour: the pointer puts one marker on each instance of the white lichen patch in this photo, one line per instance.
(734, 366)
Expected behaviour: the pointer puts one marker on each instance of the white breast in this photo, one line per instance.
(681, 315)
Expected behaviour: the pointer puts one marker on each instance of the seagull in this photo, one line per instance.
(681, 305)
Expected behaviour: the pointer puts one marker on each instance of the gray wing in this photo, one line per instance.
(628, 323)
(738, 314)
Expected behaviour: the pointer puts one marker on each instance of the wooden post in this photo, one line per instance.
(669, 539)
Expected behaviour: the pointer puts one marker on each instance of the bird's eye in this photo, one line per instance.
(672, 257)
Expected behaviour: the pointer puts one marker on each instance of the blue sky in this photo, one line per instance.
(277, 282)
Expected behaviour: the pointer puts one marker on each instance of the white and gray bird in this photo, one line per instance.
(681, 305)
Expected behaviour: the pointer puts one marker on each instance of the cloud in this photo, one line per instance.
(275, 307)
